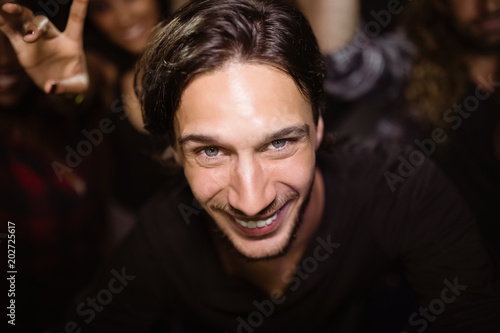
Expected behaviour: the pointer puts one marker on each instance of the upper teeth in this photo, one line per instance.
(257, 224)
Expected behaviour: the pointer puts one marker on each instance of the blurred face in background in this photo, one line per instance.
(477, 22)
(14, 82)
(127, 23)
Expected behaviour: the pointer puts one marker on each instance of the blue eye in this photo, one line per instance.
(278, 143)
(211, 151)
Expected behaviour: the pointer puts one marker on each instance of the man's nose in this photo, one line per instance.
(251, 190)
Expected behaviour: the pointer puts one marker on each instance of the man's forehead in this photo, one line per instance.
(245, 99)
(242, 85)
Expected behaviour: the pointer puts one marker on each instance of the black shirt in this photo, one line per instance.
(168, 268)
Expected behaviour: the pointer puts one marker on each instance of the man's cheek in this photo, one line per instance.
(205, 183)
(295, 171)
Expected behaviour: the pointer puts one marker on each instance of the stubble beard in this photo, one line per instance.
(228, 245)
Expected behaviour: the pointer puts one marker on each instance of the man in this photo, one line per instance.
(268, 231)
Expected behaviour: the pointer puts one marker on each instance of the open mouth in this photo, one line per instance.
(258, 224)
(259, 228)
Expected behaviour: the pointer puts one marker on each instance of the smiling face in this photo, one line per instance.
(127, 23)
(14, 82)
(247, 141)
(477, 22)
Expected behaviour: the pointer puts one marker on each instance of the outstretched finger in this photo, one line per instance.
(17, 22)
(6, 27)
(76, 19)
(17, 11)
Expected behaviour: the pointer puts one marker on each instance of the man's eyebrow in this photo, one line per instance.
(196, 138)
(299, 130)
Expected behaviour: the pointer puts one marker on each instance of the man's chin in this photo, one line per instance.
(269, 247)
(253, 249)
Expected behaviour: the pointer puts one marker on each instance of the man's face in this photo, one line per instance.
(247, 140)
(477, 22)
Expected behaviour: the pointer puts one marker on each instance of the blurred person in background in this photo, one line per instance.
(455, 86)
(116, 32)
(60, 224)
(134, 175)
(430, 81)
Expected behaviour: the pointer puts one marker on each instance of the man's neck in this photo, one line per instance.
(271, 275)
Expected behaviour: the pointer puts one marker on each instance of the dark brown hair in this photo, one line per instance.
(205, 35)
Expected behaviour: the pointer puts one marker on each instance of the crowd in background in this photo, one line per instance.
(75, 169)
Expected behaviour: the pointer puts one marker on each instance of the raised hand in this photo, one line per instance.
(54, 60)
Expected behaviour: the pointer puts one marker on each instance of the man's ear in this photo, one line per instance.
(320, 129)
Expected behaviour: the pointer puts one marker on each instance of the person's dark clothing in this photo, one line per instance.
(168, 268)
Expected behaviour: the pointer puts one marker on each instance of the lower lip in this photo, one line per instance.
(268, 229)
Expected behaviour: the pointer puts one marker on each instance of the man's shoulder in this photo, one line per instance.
(396, 192)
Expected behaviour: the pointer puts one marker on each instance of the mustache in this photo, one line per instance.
(271, 208)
